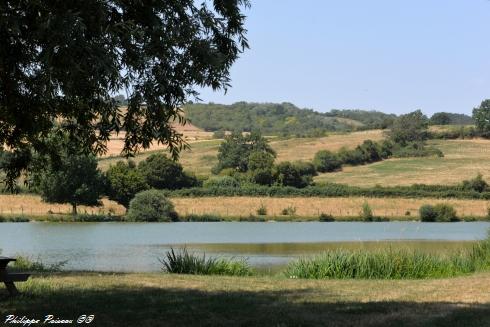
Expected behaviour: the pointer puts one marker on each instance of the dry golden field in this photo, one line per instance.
(312, 207)
(245, 206)
(29, 204)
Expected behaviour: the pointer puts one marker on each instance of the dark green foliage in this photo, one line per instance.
(260, 160)
(326, 161)
(237, 149)
(221, 182)
(427, 213)
(481, 116)
(336, 190)
(325, 217)
(183, 262)
(161, 172)
(64, 61)
(269, 118)
(445, 212)
(440, 212)
(289, 174)
(477, 184)
(305, 168)
(124, 182)
(370, 119)
(75, 179)
(261, 176)
(408, 128)
(449, 118)
(440, 118)
(151, 205)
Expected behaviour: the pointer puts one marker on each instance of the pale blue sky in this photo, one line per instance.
(389, 55)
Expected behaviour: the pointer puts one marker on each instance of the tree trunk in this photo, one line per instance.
(74, 211)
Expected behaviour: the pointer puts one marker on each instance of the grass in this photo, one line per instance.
(190, 300)
(183, 262)
(392, 264)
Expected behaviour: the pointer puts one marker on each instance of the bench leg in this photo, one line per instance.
(11, 288)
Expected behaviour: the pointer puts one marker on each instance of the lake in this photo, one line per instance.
(137, 246)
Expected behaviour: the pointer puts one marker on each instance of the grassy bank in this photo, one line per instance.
(178, 300)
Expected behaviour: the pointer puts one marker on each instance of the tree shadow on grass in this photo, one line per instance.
(149, 306)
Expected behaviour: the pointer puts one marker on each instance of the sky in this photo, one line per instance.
(394, 56)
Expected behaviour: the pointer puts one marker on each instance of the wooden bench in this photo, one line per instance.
(9, 278)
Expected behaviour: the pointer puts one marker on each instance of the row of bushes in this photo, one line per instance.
(472, 189)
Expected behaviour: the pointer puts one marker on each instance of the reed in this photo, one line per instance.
(183, 262)
(391, 264)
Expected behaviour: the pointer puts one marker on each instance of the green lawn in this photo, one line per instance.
(179, 300)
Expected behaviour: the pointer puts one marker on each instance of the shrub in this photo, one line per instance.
(289, 211)
(427, 213)
(288, 174)
(262, 210)
(183, 262)
(325, 217)
(477, 184)
(23, 264)
(261, 177)
(125, 181)
(221, 181)
(326, 161)
(440, 212)
(445, 212)
(366, 212)
(151, 205)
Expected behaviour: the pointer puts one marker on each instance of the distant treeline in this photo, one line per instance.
(286, 119)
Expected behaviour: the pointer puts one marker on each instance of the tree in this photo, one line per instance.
(326, 161)
(237, 148)
(440, 118)
(481, 116)
(160, 172)
(125, 181)
(411, 127)
(62, 61)
(74, 180)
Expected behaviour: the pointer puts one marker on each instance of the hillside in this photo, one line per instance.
(270, 118)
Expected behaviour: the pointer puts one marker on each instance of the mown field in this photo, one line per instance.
(179, 300)
(237, 207)
(463, 159)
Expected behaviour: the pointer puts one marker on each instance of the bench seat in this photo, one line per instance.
(14, 277)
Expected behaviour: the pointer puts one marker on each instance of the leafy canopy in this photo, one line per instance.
(481, 115)
(62, 61)
(125, 181)
(238, 151)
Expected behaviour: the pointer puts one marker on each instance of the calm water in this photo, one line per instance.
(137, 247)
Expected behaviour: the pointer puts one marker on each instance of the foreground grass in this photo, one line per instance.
(178, 300)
